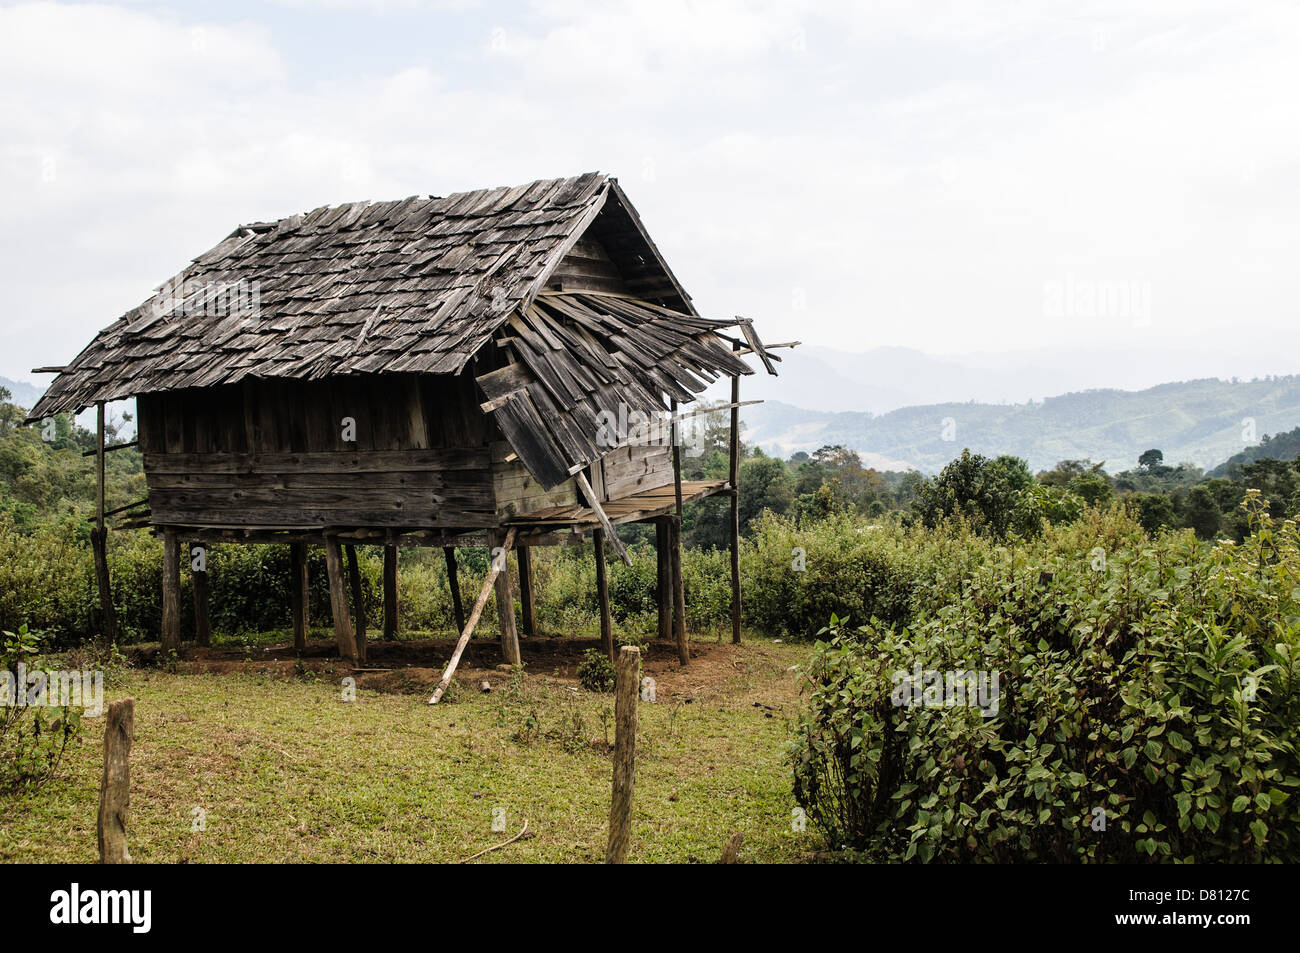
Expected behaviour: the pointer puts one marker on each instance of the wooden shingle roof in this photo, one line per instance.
(417, 285)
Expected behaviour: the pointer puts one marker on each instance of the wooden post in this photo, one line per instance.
(735, 506)
(358, 603)
(171, 592)
(626, 692)
(465, 632)
(664, 590)
(525, 555)
(675, 540)
(602, 594)
(115, 785)
(449, 553)
(202, 621)
(99, 536)
(506, 609)
(679, 591)
(298, 598)
(339, 600)
(390, 593)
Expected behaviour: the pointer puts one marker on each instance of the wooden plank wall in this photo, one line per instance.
(630, 470)
(587, 267)
(517, 492)
(272, 454)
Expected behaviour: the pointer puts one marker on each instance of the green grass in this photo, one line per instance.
(286, 771)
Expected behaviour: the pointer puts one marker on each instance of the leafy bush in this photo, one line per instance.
(1153, 681)
(33, 737)
(596, 671)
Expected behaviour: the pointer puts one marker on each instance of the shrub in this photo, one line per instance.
(33, 737)
(1160, 689)
(596, 671)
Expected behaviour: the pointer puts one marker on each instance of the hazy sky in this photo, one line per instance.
(950, 176)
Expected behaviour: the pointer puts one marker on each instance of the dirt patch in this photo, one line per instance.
(415, 666)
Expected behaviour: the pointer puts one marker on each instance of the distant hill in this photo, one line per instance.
(1282, 446)
(1198, 421)
(24, 394)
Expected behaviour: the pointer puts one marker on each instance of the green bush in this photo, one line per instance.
(596, 671)
(1154, 681)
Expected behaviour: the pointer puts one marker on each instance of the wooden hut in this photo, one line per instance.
(433, 371)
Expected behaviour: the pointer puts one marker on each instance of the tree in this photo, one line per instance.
(1150, 459)
(985, 492)
(1201, 513)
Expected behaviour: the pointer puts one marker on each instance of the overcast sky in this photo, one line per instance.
(1032, 175)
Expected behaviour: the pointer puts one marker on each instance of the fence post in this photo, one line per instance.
(115, 788)
(626, 688)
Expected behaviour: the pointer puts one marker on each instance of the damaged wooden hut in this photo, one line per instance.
(433, 372)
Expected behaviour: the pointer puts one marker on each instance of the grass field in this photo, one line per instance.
(272, 765)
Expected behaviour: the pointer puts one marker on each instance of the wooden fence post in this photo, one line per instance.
(115, 787)
(626, 692)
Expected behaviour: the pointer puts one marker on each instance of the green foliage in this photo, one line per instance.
(983, 492)
(596, 671)
(1160, 688)
(33, 737)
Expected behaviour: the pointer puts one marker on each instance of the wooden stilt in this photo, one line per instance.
(529, 610)
(733, 477)
(171, 593)
(675, 539)
(663, 564)
(358, 603)
(488, 584)
(506, 611)
(602, 594)
(390, 593)
(458, 608)
(339, 600)
(99, 537)
(298, 598)
(679, 591)
(202, 621)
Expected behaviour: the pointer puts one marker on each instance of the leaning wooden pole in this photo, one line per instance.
(468, 629)
(733, 478)
(626, 690)
(602, 594)
(99, 536)
(453, 581)
(115, 785)
(675, 542)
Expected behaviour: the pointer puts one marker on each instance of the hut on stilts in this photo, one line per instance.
(490, 368)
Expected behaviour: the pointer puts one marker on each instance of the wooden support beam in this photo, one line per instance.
(675, 544)
(300, 608)
(453, 581)
(506, 609)
(525, 556)
(594, 502)
(358, 603)
(733, 478)
(202, 618)
(465, 632)
(339, 600)
(390, 592)
(664, 589)
(99, 538)
(679, 591)
(116, 446)
(602, 594)
(115, 783)
(627, 692)
(171, 593)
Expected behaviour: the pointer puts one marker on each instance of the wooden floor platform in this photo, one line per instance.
(630, 509)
